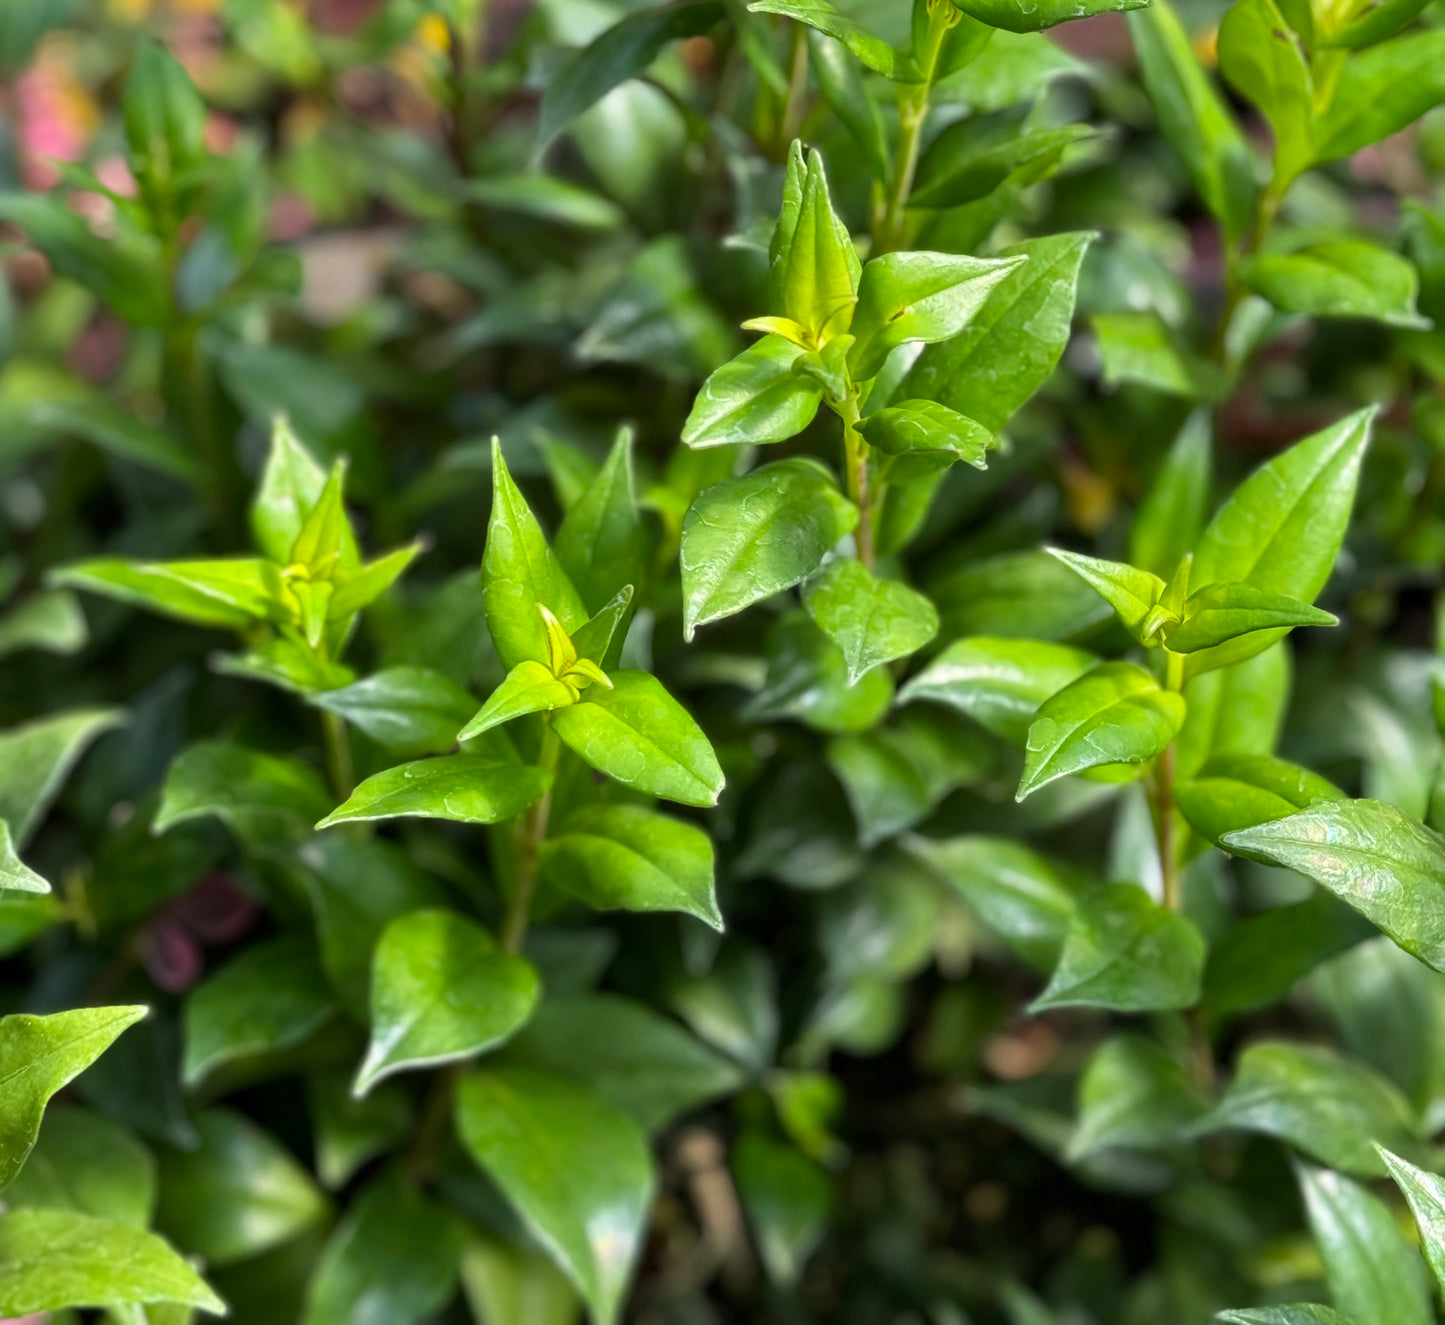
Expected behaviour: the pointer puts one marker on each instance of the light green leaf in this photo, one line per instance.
(260, 797)
(1299, 1313)
(640, 735)
(1171, 517)
(1117, 713)
(1339, 278)
(628, 857)
(85, 1162)
(477, 788)
(1326, 1106)
(1386, 865)
(519, 571)
(1139, 346)
(1013, 343)
(1228, 609)
(1381, 91)
(1264, 59)
(843, 86)
(971, 158)
(441, 991)
(505, 1282)
(529, 687)
(1122, 951)
(1425, 1193)
(751, 537)
(999, 683)
(643, 1064)
(230, 594)
(754, 398)
(603, 543)
(1375, 1276)
(1133, 1096)
(237, 1194)
(36, 758)
(291, 484)
(576, 1170)
(1015, 17)
(877, 54)
(1131, 592)
(601, 639)
(53, 1259)
(1234, 792)
(409, 710)
(15, 875)
(872, 620)
(271, 997)
(50, 620)
(38, 1056)
(927, 430)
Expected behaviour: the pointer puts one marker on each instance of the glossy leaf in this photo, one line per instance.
(291, 485)
(1131, 592)
(755, 398)
(36, 758)
(1026, 595)
(1339, 278)
(441, 991)
(1381, 91)
(409, 710)
(807, 679)
(865, 47)
(928, 431)
(575, 1169)
(1298, 1313)
(1015, 17)
(15, 875)
(787, 1198)
(478, 788)
(1264, 59)
(602, 543)
(530, 687)
(1226, 610)
(1425, 1193)
(1114, 714)
(230, 594)
(813, 263)
(1133, 1096)
(970, 159)
(872, 620)
(1235, 792)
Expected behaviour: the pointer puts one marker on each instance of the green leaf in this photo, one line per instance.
(1015, 17)
(530, 687)
(50, 620)
(873, 621)
(1010, 348)
(628, 857)
(230, 593)
(878, 55)
(477, 788)
(751, 537)
(807, 679)
(40, 1055)
(1238, 710)
(1131, 592)
(576, 1170)
(971, 158)
(1122, 951)
(787, 1198)
(261, 797)
(271, 997)
(85, 1162)
(1133, 1096)
(291, 484)
(1425, 1193)
(1381, 91)
(441, 991)
(919, 297)
(393, 1258)
(1374, 22)
(504, 1282)
(165, 119)
(1228, 609)
(1234, 792)
(621, 52)
(602, 638)
(1022, 896)
(1195, 119)
(237, 1194)
(54, 1259)
(1117, 713)
(1139, 346)
(519, 571)
(843, 86)
(15, 875)
(409, 710)
(1339, 278)
(926, 430)
(1171, 517)
(1299, 1313)
(1386, 865)
(603, 543)
(642, 1064)
(36, 758)
(285, 662)
(640, 735)
(885, 791)
(1375, 1276)
(1264, 59)
(348, 1132)
(999, 683)
(754, 398)
(1328, 1107)
(93, 419)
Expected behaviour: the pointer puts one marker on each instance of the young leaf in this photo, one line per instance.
(999, 683)
(913, 297)
(230, 594)
(1196, 121)
(1264, 59)
(519, 571)
(877, 54)
(51, 1260)
(1117, 713)
(39, 1055)
(1171, 517)
(409, 710)
(754, 398)
(872, 620)
(36, 758)
(478, 788)
(1131, 592)
(1227, 609)
(1326, 1106)
(1425, 1193)
(1339, 278)
(575, 1169)
(291, 485)
(602, 543)
(1386, 865)
(165, 119)
(530, 687)
(441, 991)
(1235, 792)
(261, 797)
(923, 429)
(1122, 951)
(1010, 348)
(748, 538)
(1298, 1313)
(628, 857)
(15, 875)
(1133, 1096)
(1374, 1275)
(601, 639)
(1381, 91)
(814, 264)
(638, 734)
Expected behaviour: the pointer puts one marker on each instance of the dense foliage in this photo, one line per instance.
(821, 883)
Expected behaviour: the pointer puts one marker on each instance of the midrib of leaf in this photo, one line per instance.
(95, 1033)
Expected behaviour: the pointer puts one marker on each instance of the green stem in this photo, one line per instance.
(859, 492)
(338, 755)
(1161, 796)
(531, 833)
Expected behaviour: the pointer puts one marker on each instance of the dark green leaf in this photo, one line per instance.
(1171, 517)
(972, 157)
(1339, 278)
(872, 620)
(807, 679)
(878, 55)
(787, 1199)
(262, 798)
(230, 593)
(1133, 1096)
(1234, 792)
(35, 759)
(603, 543)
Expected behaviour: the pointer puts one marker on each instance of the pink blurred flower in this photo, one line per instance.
(55, 116)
